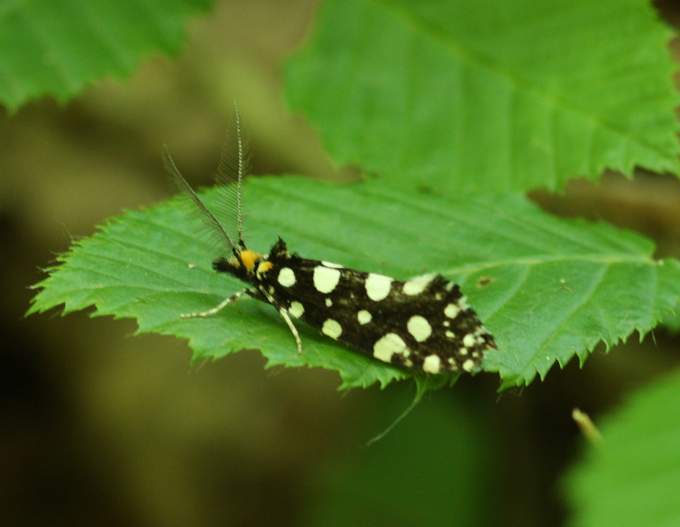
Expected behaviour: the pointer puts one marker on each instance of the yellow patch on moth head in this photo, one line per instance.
(249, 258)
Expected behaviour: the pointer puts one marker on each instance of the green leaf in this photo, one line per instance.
(547, 288)
(631, 478)
(477, 94)
(672, 323)
(57, 48)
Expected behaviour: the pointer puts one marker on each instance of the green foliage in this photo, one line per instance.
(632, 477)
(672, 323)
(473, 94)
(550, 289)
(56, 48)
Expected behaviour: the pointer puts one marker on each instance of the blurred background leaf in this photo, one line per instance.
(411, 477)
(632, 477)
(548, 289)
(472, 95)
(57, 48)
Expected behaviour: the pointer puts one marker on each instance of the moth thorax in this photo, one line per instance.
(262, 267)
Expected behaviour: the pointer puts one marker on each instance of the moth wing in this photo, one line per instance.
(423, 323)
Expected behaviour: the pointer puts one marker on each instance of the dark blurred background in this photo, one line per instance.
(99, 427)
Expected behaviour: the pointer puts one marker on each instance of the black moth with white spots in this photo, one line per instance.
(423, 324)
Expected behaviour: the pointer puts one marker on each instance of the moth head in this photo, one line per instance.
(245, 262)
(247, 259)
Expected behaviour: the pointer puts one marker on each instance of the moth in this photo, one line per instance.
(423, 323)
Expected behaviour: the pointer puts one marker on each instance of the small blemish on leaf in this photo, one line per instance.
(425, 189)
(484, 281)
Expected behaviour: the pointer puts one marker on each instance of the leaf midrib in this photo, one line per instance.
(527, 261)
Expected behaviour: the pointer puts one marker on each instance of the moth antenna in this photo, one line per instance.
(241, 170)
(231, 170)
(184, 186)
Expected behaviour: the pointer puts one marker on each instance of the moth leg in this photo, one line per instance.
(284, 315)
(219, 307)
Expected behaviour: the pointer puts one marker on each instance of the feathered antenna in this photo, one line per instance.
(185, 187)
(229, 176)
(241, 170)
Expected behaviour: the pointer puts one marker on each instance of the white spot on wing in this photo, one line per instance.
(286, 277)
(417, 285)
(469, 365)
(378, 286)
(388, 345)
(451, 310)
(331, 328)
(332, 265)
(364, 317)
(432, 364)
(325, 279)
(329, 302)
(419, 327)
(296, 309)
(468, 341)
(449, 334)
